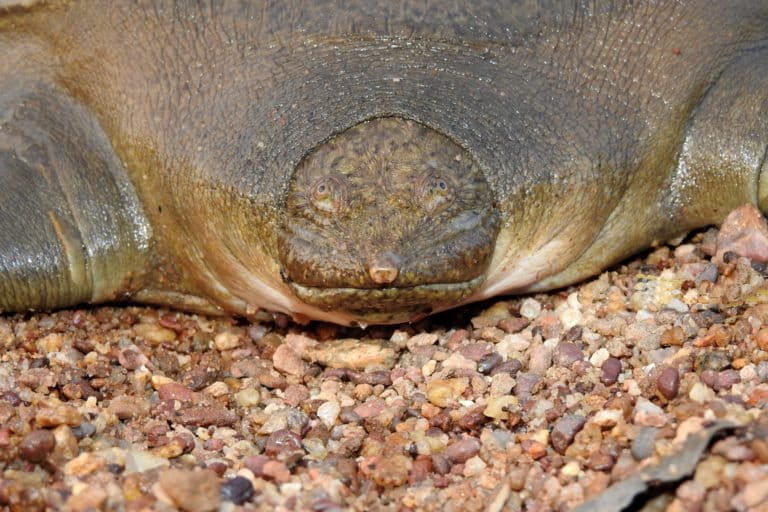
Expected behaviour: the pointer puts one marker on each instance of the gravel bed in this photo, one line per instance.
(532, 403)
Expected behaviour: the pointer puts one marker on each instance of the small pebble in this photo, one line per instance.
(154, 333)
(458, 361)
(59, 415)
(648, 414)
(248, 397)
(226, 340)
(329, 413)
(745, 233)
(526, 384)
(674, 336)
(421, 340)
(668, 382)
(600, 461)
(677, 305)
(473, 467)
(88, 499)
(355, 354)
(715, 360)
(514, 324)
(174, 391)
(726, 379)
(193, 490)
(701, 393)
(643, 445)
(709, 273)
(609, 371)
(488, 362)
(276, 471)
(131, 358)
(282, 441)
(600, 356)
(500, 406)
(462, 450)
(286, 360)
(566, 354)
(87, 463)
(388, 472)
(37, 445)
(238, 490)
(530, 308)
(511, 367)
(83, 430)
(442, 392)
(564, 430)
(541, 359)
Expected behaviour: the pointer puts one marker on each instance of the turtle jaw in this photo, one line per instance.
(388, 305)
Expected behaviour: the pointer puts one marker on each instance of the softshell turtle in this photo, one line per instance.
(363, 160)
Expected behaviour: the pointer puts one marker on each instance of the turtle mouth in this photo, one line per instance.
(388, 304)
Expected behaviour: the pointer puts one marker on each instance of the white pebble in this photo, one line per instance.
(571, 470)
(642, 315)
(474, 466)
(512, 343)
(748, 373)
(677, 305)
(429, 368)
(226, 340)
(607, 418)
(530, 308)
(329, 412)
(599, 357)
(570, 317)
(458, 361)
(631, 387)
(248, 397)
(421, 340)
(701, 393)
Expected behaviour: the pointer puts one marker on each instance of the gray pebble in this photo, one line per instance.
(642, 446)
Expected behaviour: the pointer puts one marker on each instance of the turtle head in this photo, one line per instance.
(389, 221)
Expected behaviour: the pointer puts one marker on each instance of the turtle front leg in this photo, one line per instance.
(723, 160)
(72, 229)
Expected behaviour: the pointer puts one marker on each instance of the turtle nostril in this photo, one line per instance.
(384, 268)
(383, 275)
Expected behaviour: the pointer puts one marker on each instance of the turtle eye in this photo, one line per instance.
(327, 195)
(434, 190)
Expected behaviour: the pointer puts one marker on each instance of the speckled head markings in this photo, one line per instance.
(387, 217)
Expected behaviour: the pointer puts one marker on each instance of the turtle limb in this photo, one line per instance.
(72, 229)
(722, 163)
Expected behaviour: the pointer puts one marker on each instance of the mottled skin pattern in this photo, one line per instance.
(387, 219)
(153, 150)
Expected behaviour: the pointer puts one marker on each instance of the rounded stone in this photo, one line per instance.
(37, 445)
(668, 382)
